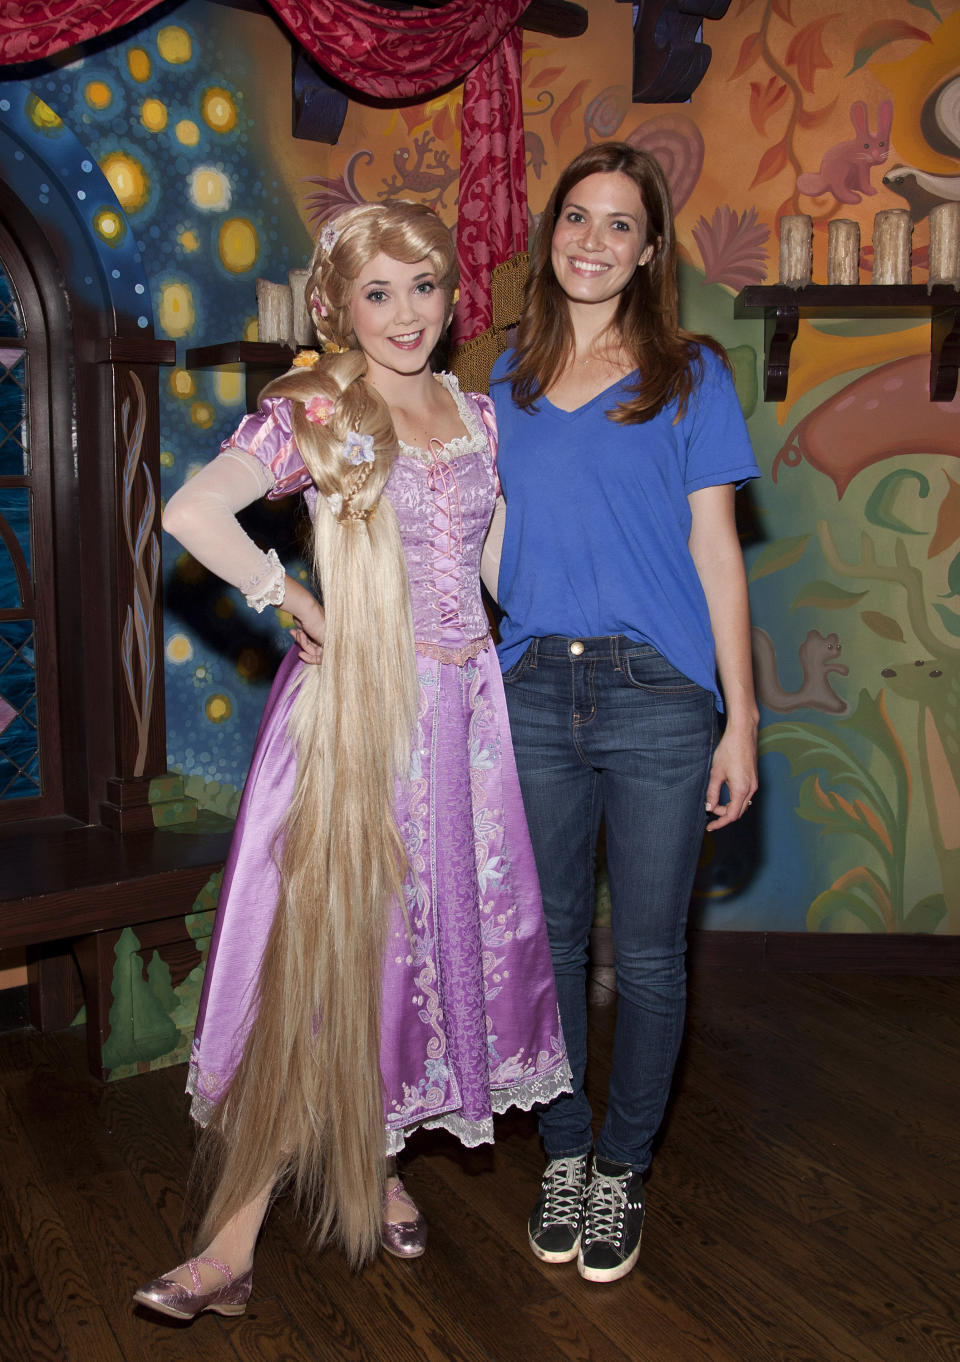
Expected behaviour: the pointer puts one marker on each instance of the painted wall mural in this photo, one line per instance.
(853, 536)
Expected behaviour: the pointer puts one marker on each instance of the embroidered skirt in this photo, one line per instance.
(469, 1022)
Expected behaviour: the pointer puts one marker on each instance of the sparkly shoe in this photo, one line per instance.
(403, 1238)
(171, 1298)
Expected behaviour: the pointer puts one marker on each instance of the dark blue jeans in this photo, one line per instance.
(607, 728)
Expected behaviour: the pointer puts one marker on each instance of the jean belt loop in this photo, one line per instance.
(532, 660)
(615, 651)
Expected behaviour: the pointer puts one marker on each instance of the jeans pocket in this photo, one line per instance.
(646, 669)
(519, 667)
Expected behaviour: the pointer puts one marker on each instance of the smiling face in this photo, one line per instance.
(600, 238)
(398, 313)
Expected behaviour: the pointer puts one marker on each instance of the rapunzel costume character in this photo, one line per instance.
(379, 961)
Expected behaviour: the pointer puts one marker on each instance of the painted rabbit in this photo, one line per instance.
(845, 169)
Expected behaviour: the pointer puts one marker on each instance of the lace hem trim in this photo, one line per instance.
(456, 655)
(536, 1091)
(269, 588)
(471, 443)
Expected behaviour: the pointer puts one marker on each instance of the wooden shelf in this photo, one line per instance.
(263, 354)
(132, 350)
(782, 307)
(261, 360)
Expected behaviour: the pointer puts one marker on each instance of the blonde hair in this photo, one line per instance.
(306, 1099)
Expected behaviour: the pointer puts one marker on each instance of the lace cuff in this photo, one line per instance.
(268, 587)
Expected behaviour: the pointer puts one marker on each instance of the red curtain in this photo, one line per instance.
(387, 54)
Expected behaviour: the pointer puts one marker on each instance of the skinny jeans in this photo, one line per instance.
(605, 728)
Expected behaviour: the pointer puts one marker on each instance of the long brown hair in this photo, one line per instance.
(646, 321)
(306, 1099)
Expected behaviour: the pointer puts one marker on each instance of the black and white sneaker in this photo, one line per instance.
(612, 1222)
(557, 1218)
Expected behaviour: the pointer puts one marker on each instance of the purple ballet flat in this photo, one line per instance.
(170, 1298)
(403, 1238)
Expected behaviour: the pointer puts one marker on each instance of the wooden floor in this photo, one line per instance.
(805, 1206)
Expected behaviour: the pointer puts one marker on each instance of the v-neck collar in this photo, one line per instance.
(571, 415)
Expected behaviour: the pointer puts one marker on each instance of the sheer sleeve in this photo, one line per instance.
(202, 516)
(267, 436)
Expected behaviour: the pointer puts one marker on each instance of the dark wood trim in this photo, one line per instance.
(263, 353)
(782, 307)
(132, 350)
(62, 879)
(557, 18)
(809, 952)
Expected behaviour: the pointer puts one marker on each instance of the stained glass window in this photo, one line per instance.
(19, 734)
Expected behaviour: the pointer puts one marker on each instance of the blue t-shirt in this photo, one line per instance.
(598, 518)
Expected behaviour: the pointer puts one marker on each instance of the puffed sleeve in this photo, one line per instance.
(267, 435)
(488, 417)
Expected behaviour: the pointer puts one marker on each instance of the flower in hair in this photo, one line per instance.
(306, 359)
(358, 448)
(332, 348)
(318, 409)
(329, 237)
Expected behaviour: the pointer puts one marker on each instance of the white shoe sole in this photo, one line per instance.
(546, 1256)
(608, 1274)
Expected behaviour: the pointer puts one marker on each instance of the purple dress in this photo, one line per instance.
(469, 1021)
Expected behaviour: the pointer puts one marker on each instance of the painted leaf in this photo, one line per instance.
(732, 247)
(926, 915)
(882, 625)
(948, 520)
(838, 815)
(826, 596)
(764, 101)
(547, 75)
(782, 8)
(863, 881)
(782, 553)
(871, 720)
(750, 50)
(561, 119)
(879, 34)
(772, 162)
(953, 577)
(927, 5)
(806, 51)
(443, 125)
(833, 901)
(809, 747)
(879, 508)
(949, 619)
(812, 118)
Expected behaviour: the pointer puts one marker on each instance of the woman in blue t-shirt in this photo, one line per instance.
(624, 596)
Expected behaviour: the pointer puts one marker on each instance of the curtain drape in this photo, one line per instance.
(386, 54)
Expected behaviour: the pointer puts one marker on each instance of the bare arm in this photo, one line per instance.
(716, 554)
(492, 546)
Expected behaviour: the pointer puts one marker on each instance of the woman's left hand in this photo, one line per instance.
(311, 651)
(734, 765)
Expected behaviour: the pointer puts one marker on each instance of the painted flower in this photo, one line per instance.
(319, 409)
(358, 448)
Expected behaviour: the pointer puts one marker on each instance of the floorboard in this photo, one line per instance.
(804, 1206)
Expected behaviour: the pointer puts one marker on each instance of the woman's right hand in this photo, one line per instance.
(311, 625)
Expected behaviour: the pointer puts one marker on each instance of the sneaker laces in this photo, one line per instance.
(606, 1207)
(563, 1182)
